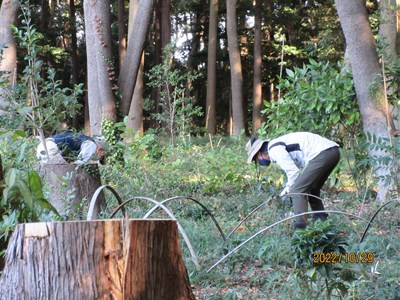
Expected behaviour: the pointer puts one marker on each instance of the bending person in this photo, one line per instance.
(72, 146)
(307, 159)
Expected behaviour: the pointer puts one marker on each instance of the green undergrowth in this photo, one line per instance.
(213, 171)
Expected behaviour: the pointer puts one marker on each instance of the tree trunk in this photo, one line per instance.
(166, 88)
(74, 43)
(121, 32)
(107, 259)
(99, 57)
(165, 23)
(257, 85)
(72, 188)
(8, 54)
(135, 117)
(135, 113)
(136, 39)
(156, 95)
(45, 15)
(376, 119)
(211, 68)
(389, 36)
(388, 28)
(236, 69)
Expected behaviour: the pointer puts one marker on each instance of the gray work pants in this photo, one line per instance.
(310, 181)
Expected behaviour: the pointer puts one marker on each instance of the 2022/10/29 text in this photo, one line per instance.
(335, 258)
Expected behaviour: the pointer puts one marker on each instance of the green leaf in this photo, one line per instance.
(311, 273)
(26, 194)
(18, 134)
(290, 73)
(26, 110)
(44, 204)
(35, 184)
(11, 176)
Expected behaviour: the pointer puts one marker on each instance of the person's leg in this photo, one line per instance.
(310, 180)
(316, 203)
(331, 158)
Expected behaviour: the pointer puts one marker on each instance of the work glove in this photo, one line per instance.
(284, 192)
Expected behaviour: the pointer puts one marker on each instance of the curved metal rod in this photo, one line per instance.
(172, 216)
(95, 196)
(277, 223)
(266, 202)
(252, 212)
(303, 194)
(196, 201)
(372, 219)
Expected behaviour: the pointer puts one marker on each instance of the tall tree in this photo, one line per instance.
(236, 68)
(74, 42)
(211, 68)
(73, 49)
(388, 28)
(165, 22)
(132, 60)
(8, 48)
(135, 115)
(121, 31)
(361, 47)
(388, 35)
(257, 86)
(100, 68)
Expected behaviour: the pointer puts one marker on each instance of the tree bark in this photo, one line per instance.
(257, 85)
(135, 116)
(361, 47)
(99, 58)
(136, 39)
(108, 259)
(121, 32)
(236, 69)
(388, 28)
(390, 37)
(8, 48)
(211, 68)
(74, 43)
(135, 113)
(165, 23)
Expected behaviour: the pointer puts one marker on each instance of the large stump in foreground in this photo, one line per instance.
(101, 259)
(72, 187)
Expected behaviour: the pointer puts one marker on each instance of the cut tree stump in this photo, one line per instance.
(70, 185)
(100, 259)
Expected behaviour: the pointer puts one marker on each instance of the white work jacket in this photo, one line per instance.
(294, 150)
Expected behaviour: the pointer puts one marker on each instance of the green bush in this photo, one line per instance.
(317, 250)
(319, 98)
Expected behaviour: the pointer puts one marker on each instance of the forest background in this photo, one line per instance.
(175, 87)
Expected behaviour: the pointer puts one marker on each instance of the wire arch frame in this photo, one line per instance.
(195, 201)
(94, 199)
(373, 217)
(274, 224)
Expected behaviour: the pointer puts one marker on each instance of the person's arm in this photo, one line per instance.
(279, 155)
(87, 152)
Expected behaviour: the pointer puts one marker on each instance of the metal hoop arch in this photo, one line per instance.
(95, 196)
(372, 219)
(197, 202)
(277, 223)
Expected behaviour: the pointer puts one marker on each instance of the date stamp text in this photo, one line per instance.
(351, 257)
